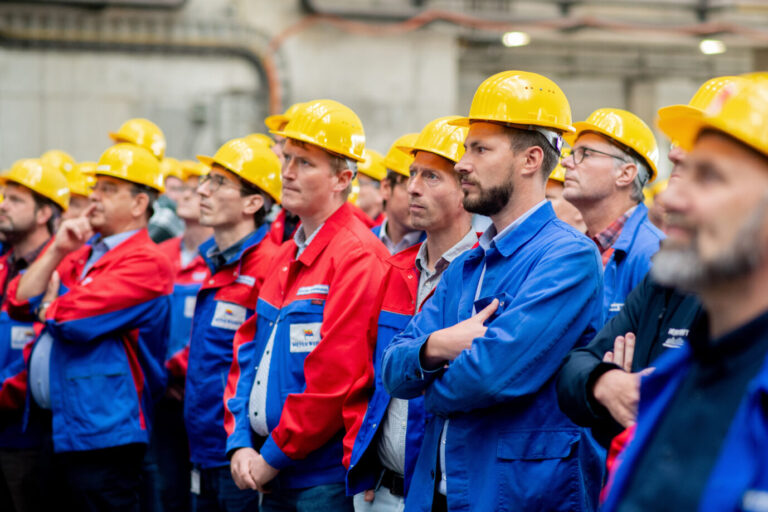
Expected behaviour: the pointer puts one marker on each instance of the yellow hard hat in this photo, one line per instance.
(521, 98)
(191, 168)
(653, 190)
(81, 179)
(170, 167)
(709, 97)
(354, 191)
(58, 159)
(40, 177)
(373, 165)
(441, 137)
(329, 125)
(260, 138)
(278, 121)
(743, 116)
(132, 163)
(558, 173)
(396, 159)
(252, 161)
(144, 133)
(623, 127)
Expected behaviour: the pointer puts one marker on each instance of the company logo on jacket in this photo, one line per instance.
(677, 338)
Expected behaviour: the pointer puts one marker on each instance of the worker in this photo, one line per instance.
(396, 231)
(602, 392)
(564, 210)
(35, 196)
(699, 441)
(235, 196)
(485, 348)
(96, 369)
(613, 155)
(389, 440)
(298, 380)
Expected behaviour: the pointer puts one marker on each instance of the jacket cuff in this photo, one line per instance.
(596, 409)
(274, 455)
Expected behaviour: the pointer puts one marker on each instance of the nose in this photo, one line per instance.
(568, 162)
(462, 166)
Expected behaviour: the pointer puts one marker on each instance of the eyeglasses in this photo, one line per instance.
(582, 152)
(215, 181)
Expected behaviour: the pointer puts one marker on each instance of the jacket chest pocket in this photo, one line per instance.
(304, 320)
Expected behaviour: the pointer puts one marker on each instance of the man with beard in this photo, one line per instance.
(35, 196)
(484, 350)
(702, 430)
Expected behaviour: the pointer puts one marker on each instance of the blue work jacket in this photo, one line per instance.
(508, 445)
(739, 479)
(631, 259)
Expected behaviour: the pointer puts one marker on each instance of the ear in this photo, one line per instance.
(532, 158)
(626, 174)
(139, 205)
(385, 189)
(252, 204)
(343, 179)
(43, 215)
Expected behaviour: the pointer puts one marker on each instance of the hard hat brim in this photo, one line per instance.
(411, 150)
(274, 122)
(466, 121)
(154, 186)
(677, 111)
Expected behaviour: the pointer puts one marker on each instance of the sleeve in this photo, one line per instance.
(401, 369)
(337, 367)
(13, 381)
(112, 300)
(526, 342)
(584, 365)
(239, 382)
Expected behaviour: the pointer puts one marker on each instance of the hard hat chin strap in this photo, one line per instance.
(554, 138)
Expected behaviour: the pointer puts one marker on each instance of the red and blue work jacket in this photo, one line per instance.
(186, 284)
(320, 306)
(14, 336)
(226, 299)
(397, 305)
(109, 332)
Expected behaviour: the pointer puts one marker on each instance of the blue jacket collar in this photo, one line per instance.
(250, 241)
(629, 232)
(512, 241)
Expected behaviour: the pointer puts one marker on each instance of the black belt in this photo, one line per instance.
(392, 481)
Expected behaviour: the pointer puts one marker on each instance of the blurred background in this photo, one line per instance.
(209, 70)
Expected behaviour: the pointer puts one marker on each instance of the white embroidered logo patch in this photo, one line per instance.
(189, 306)
(305, 337)
(246, 280)
(755, 500)
(198, 276)
(309, 290)
(21, 335)
(676, 339)
(228, 316)
(616, 307)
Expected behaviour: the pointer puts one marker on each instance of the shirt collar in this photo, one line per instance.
(409, 239)
(607, 237)
(466, 243)
(108, 243)
(301, 239)
(25, 260)
(219, 258)
(492, 237)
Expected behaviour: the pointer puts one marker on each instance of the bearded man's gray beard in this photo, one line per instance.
(683, 268)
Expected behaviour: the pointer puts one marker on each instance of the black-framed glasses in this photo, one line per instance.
(214, 181)
(582, 152)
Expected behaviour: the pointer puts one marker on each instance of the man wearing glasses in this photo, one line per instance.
(614, 155)
(241, 187)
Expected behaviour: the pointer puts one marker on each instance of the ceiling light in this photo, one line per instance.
(711, 46)
(510, 39)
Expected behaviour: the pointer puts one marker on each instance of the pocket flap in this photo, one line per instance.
(536, 445)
